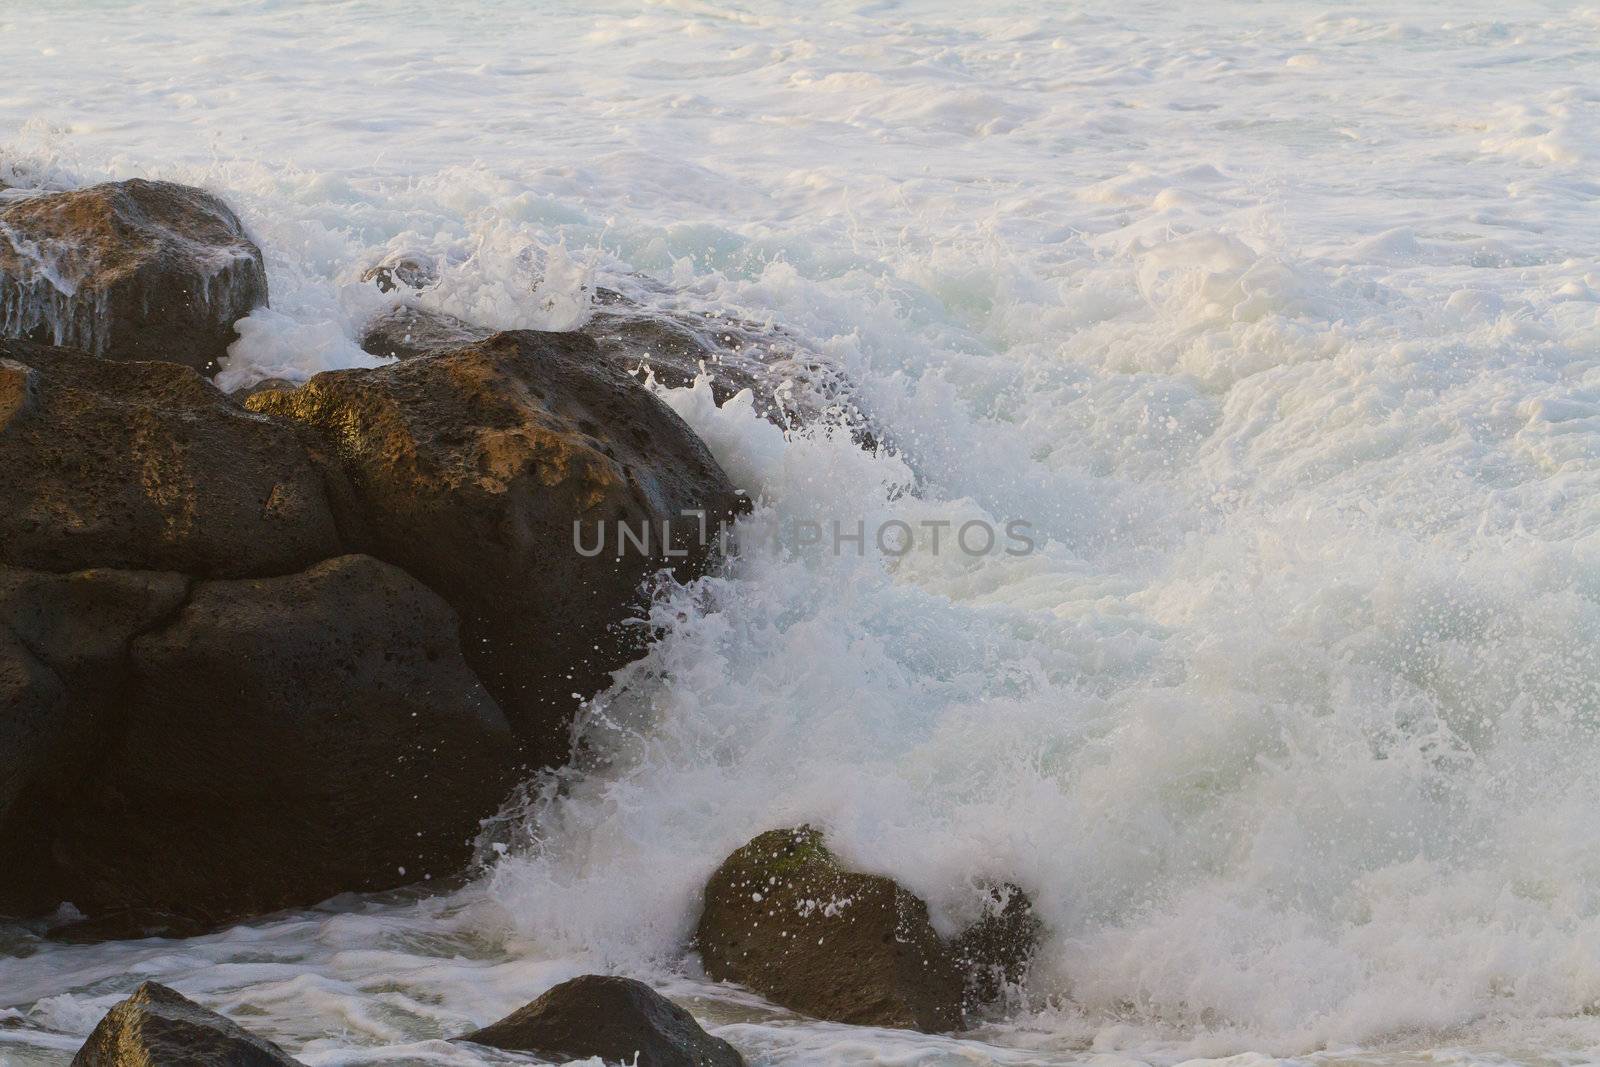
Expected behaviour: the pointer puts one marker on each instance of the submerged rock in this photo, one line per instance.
(481, 470)
(159, 1027)
(134, 270)
(148, 466)
(617, 1019)
(785, 918)
(283, 740)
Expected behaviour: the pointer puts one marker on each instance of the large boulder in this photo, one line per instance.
(63, 648)
(128, 270)
(482, 470)
(282, 740)
(618, 1020)
(148, 466)
(159, 1027)
(784, 917)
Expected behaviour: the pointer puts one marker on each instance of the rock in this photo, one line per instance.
(616, 1019)
(136, 270)
(401, 272)
(638, 333)
(280, 741)
(148, 466)
(474, 469)
(265, 385)
(409, 332)
(995, 951)
(785, 918)
(63, 646)
(127, 924)
(158, 1027)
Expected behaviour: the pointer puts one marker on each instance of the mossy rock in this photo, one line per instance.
(784, 917)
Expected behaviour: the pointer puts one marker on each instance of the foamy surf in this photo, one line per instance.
(1279, 327)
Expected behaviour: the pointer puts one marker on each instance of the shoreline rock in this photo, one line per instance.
(134, 270)
(160, 1027)
(784, 917)
(617, 1019)
(790, 387)
(354, 610)
(475, 470)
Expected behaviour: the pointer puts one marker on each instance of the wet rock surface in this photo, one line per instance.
(409, 332)
(785, 918)
(617, 1019)
(249, 657)
(134, 270)
(283, 740)
(638, 333)
(148, 466)
(159, 1027)
(471, 468)
(996, 951)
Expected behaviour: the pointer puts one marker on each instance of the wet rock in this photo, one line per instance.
(995, 951)
(474, 470)
(401, 272)
(617, 1019)
(409, 332)
(148, 466)
(158, 1027)
(264, 385)
(63, 645)
(127, 924)
(639, 332)
(135, 270)
(785, 918)
(282, 740)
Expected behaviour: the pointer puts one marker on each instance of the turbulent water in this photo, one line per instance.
(1279, 324)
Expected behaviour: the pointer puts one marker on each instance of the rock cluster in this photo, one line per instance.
(255, 654)
(259, 650)
(615, 1019)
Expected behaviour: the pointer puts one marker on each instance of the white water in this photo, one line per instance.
(1283, 325)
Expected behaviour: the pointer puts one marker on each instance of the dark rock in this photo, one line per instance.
(409, 332)
(401, 272)
(63, 648)
(783, 917)
(790, 386)
(616, 1019)
(158, 1027)
(471, 470)
(148, 466)
(995, 951)
(127, 924)
(135, 270)
(283, 740)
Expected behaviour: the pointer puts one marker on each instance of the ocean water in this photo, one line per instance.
(1278, 322)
